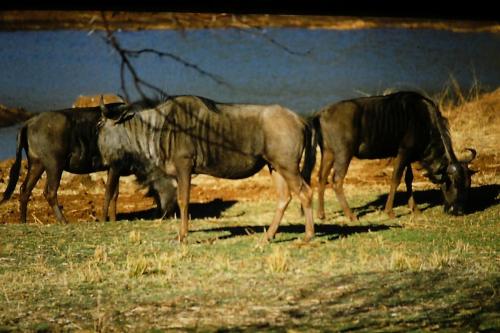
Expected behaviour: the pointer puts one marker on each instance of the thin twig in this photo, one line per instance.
(126, 65)
(175, 57)
(262, 33)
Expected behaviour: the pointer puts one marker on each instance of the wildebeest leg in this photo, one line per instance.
(408, 181)
(111, 195)
(183, 169)
(324, 171)
(397, 174)
(296, 184)
(35, 171)
(159, 206)
(305, 194)
(54, 173)
(114, 198)
(340, 167)
(284, 198)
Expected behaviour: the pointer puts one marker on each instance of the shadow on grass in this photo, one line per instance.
(212, 209)
(480, 198)
(391, 301)
(333, 231)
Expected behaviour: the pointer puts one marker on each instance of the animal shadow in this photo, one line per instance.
(480, 198)
(333, 231)
(212, 209)
(483, 197)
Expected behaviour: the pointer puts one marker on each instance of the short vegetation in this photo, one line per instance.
(427, 272)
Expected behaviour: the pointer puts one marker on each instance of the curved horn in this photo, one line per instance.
(472, 154)
(122, 99)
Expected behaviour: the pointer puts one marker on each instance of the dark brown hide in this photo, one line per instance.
(66, 140)
(403, 125)
(188, 135)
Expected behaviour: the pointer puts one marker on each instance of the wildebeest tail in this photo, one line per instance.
(311, 142)
(16, 167)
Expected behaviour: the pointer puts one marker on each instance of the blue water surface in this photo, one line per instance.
(303, 69)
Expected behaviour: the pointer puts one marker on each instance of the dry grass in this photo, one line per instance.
(279, 260)
(474, 116)
(129, 276)
(90, 20)
(474, 122)
(426, 272)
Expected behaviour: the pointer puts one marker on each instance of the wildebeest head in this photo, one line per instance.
(457, 183)
(118, 112)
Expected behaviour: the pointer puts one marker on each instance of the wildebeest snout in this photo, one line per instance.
(454, 210)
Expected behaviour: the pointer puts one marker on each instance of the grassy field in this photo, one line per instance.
(426, 272)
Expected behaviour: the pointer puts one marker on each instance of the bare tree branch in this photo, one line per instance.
(260, 32)
(127, 67)
(263, 34)
(175, 57)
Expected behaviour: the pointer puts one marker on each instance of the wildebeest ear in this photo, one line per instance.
(123, 99)
(115, 111)
(452, 168)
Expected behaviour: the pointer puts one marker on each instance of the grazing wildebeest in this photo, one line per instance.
(67, 140)
(187, 135)
(160, 186)
(404, 125)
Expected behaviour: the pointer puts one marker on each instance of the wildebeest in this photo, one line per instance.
(404, 125)
(187, 135)
(67, 140)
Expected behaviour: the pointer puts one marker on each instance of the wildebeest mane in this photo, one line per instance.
(153, 102)
(190, 119)
(439, 154)
(442, 125)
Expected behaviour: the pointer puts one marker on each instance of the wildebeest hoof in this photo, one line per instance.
(63, 221)
(266, 240)
(353, 218)
(308, 238)
(261, 244)
(391, 214)
(269, 236)
(179, 240)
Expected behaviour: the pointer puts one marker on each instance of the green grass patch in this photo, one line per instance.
(427, 272)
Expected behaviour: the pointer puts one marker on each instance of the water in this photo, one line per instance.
(44, 70)
(8, 142)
